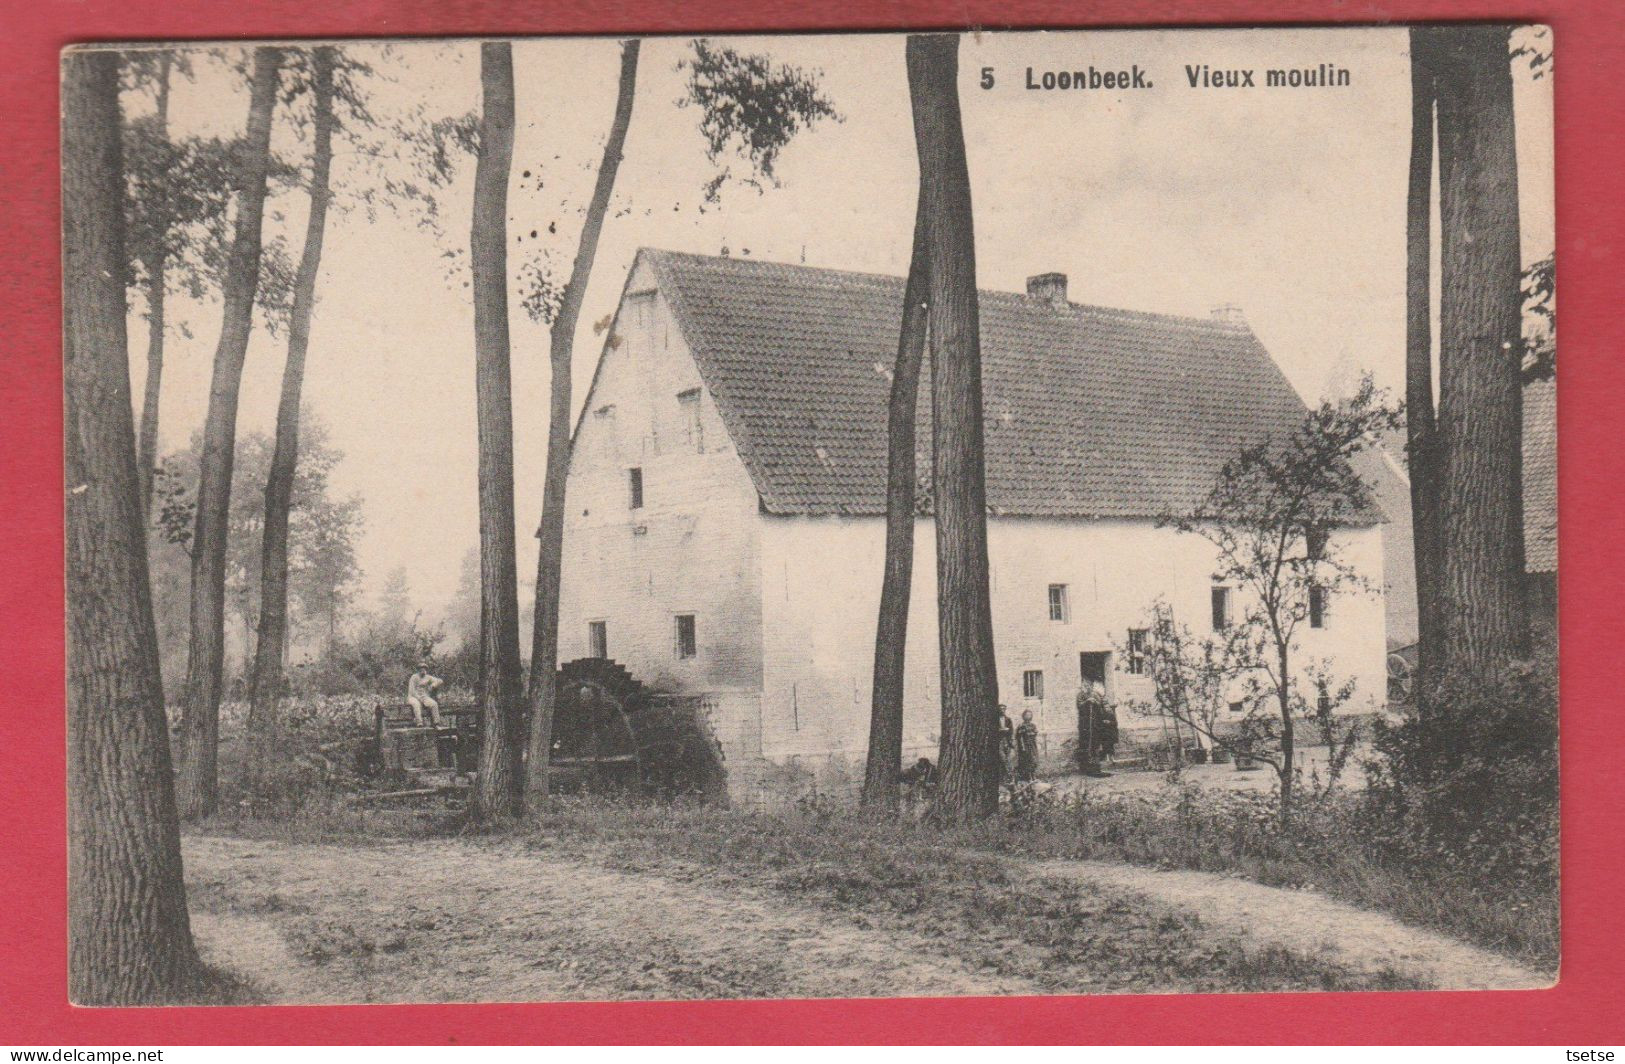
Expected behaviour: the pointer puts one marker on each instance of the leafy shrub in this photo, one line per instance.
(311, 762)
(374, 658)
(1471, 789)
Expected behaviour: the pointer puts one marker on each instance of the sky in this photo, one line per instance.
(1288, 203)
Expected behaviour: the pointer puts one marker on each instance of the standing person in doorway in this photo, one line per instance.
(420, 691)
(1105, 733)
(1091, 710)
(1026, 748)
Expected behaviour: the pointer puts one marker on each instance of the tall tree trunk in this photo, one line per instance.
(1419, 412)
(496, 792)
(544, 652)
(200, 723)
(156, 259)
(969, 782)
(1480, 414)
(891, 629)
(129, 941)
(265, 680)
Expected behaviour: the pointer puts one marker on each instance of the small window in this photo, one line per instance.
(634, 481)
(642, 305)
(1315, 538)
(1137, 640)
(1032, 684)
(1221, 608)
(597, 639)
(1317, 607)
(1059, 609)
(685, 635)
(1237, 707)
(693, 428)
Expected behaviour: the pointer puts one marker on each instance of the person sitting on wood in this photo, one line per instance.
(420, 691)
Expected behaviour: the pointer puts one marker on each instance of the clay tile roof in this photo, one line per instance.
(1090, 412)
(1540, 476)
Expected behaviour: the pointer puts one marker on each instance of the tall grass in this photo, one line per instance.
(1487, 878)
(852, 860)
(1234, 834)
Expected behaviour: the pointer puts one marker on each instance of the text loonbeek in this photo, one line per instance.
(1133, 78)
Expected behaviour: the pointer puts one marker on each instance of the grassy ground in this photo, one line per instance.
(969, 902)
(1181, 826)
(616, 902)
(837, 857)
(1176, 829)
(977, 909)
(503, 919)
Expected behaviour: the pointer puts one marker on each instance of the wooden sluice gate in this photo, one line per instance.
(610, 734)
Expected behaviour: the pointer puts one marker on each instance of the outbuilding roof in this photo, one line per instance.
(1090, 411)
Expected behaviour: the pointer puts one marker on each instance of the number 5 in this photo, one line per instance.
(987, 77)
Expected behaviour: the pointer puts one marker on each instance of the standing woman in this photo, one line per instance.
(1026, 748)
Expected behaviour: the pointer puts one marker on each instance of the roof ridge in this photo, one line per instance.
(830, 275)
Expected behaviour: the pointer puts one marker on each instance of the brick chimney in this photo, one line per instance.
(1050, 286)
(1229, 314)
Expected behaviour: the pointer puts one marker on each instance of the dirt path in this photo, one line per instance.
(472, 920)
(1305, 922)
(445, 920)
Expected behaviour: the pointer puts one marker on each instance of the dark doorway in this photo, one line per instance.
(1092, 665)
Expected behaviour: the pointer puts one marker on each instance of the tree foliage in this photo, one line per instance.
(1533, 45)
(323, 530)
(178, 195)
(1539, 290)
(1192, 677)
(1471, 789)
(750, 106)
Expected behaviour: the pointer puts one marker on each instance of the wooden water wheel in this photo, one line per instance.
(611, 733)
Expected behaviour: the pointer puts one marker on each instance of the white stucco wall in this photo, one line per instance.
(693, 547)
(821, 588)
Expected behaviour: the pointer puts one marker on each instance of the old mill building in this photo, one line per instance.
(727, 495)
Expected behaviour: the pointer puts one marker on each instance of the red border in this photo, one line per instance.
(1584, 1008)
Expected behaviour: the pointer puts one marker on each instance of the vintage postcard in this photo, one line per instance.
(811, 516)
